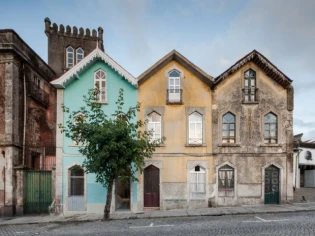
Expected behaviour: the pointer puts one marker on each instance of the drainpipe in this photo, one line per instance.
(24, 126)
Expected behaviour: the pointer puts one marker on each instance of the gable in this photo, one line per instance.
(96, 55)
(263, 63)
(176, 56)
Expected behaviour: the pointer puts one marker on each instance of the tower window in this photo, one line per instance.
(80, 55)
(70, 57)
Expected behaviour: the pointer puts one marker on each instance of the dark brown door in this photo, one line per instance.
(151, 187)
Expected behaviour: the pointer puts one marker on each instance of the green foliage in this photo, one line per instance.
(114, 146)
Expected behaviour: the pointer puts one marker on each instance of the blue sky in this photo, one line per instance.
(213, 34)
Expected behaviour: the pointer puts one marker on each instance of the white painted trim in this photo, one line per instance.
(70, 75)
(67, 186)
(67, 65)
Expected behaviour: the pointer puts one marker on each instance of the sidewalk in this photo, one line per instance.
(219, 211)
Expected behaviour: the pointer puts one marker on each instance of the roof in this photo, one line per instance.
(11, 41)
(270, 69)
(174, 55)
(96, 54)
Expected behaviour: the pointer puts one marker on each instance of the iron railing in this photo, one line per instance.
(250, 95)
(38, 93)
(174, 96)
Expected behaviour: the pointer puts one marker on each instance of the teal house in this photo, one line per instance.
(77, 191)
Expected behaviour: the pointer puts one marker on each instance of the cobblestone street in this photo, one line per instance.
(265, 224)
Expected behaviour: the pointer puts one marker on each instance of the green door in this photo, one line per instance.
(272, 185)
(38, 191)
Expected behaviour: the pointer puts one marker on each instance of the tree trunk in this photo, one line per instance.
(108, 200)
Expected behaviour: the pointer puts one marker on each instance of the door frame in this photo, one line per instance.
(115, 195)
(158, 165)
(68, 184)
(281, 181)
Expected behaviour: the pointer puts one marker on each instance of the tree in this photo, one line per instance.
(114, 146)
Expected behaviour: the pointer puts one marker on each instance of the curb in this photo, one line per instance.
(135, 217)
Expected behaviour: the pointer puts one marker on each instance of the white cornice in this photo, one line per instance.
(73, 73)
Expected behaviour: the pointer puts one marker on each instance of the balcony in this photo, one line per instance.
(174, 96)
(38, 94)
(250, 95)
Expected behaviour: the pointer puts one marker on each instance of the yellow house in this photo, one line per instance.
(176, 98)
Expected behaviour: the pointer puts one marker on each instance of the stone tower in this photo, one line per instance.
(67, 47)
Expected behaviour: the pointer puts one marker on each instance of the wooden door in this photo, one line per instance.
(151, 187)
(272, 185)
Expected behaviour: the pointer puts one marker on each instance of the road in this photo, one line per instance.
(271, 224)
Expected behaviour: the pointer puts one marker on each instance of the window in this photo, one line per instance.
(228, 128)
(226, 178)
(78, 118)
(174, 89)
(121, 117)
(195, 128)
(100, 84)
(70, 57)
(76, 181)
(80, 55)
(198, 180)
(250, 86)
(270, 128)
(37, 81)
(154, 124)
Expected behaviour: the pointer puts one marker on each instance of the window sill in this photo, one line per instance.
(174, 103)
(103, 103)
(249, 103)
(270, 145)
(229, 145)
(226, 189)
(195, 145)
(75, 145)
(160, 145)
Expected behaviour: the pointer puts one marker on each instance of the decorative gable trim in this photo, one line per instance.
(96, 54)
(256, 57)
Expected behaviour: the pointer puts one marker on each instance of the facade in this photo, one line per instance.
(228, 139)
(304, 163)
(252, 106)
(77, 191)
(175, 97)
(27, 119)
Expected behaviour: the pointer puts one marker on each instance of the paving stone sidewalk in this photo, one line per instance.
(219, 211)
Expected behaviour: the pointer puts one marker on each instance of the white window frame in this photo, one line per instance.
(78, 53)
(195, 140)
(196, 182)
(68, 65)
(100, 98)
(154, 124)
(174, 91)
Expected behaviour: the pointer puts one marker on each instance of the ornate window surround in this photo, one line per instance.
(262, 127)
(106, 85)
(202, 112)
(160, 111)
(252, 66)
(237, 128)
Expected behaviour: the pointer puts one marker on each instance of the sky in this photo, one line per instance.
(213, 34)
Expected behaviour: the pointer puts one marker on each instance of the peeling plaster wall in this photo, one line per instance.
(249, 155)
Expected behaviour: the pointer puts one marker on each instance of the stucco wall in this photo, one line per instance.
(173, 157)
(72, 97)
(249, 154)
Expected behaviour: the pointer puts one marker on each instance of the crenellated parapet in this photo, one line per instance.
(53, 29)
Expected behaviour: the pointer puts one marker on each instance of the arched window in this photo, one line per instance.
(154, 124)
(250, 86)
(197, 180)
(174, 89)
(270, 128)
(78, 118)
(100, 84)
(80, 55)
(70, 57)
(228, 128)
(121, 117)
(226, 178)
(195, 128)
(76, 181)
